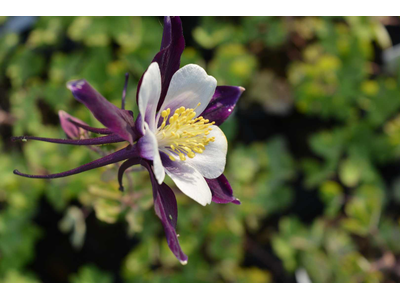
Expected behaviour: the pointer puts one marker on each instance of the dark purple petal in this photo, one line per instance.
(89, 128)
(221, 190)
(167, 33)
(222, 103)
(163, 205)
(171, 208)
(109, 139)
(169, 57)
(72, 130)
(166, 209)
(117, 120)
(75, 128)
(115, 157)
(125, 165)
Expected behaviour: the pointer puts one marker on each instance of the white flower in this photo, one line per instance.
(179, 142)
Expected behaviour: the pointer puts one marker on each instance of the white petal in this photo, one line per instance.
(149, 94)
(190, 86)
(159, 171)
(211, 163)
(188, 180)
(148, 146)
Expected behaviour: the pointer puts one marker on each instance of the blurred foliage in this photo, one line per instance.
(91, 274)
(324, 70)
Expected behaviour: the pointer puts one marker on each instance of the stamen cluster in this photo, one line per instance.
(182, 134)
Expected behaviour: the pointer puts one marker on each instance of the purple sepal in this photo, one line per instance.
(124, 166)
(169, 57)
(89, 128)
(117, 120)
(166, 209)
(120, 155)
(167, 33)
(101, 140)
(221, 190)
(73, 131)
(222, 103)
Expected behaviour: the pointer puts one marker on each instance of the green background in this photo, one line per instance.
(314, 149)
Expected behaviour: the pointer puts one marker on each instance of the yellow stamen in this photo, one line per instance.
(183, 134)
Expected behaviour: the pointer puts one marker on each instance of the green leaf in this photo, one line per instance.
(91, 274)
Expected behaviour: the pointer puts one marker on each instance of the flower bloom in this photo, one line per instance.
(176, 132)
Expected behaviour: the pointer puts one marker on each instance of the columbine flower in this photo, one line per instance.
(176, 132)
(186, 147)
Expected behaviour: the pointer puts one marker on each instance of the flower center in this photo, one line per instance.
(183, 135)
